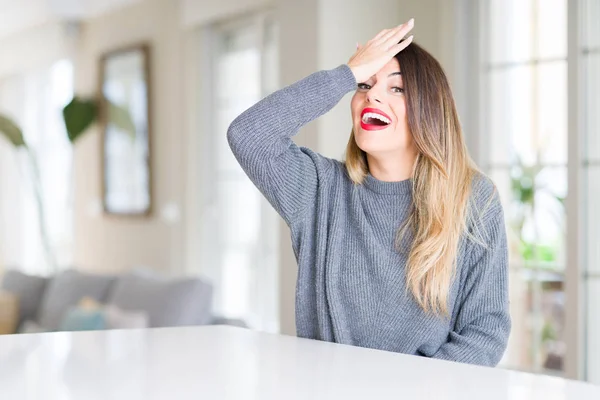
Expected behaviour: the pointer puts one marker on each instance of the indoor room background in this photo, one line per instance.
(156, 193)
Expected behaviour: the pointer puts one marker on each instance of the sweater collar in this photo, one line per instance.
(382, 187)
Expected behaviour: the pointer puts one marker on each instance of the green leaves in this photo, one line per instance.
(79, 114)
(11, 131)
(121, 118)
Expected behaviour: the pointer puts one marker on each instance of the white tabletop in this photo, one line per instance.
(234, 363)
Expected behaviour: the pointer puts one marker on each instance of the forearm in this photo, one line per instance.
(483, 343)
(263, 132)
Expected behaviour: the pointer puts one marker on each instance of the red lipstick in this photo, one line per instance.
(373, 127)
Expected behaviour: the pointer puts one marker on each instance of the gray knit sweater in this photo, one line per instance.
(351, 284)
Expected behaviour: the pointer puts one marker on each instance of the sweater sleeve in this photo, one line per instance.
(482, 327)
(260, 139)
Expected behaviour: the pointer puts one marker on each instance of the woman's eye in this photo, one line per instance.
(397, 89)
(363, 86)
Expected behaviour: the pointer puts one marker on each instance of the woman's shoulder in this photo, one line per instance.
(485, 199)
(327, 168)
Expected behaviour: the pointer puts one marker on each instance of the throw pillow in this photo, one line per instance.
(81, 319)
(66, 290)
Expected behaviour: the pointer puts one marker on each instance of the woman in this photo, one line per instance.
(402, 247)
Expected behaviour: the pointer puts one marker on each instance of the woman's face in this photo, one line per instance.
(379, 113)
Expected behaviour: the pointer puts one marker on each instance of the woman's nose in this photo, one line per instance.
(373, 96)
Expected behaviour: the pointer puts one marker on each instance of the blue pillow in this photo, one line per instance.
(78, 319)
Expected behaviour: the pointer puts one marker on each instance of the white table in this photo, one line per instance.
(233, 363)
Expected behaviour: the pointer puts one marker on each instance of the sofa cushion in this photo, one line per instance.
(168, 302)
(29, 290)
(66, 290)
(117, 318)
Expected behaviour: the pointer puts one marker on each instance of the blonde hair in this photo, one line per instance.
(441, 179)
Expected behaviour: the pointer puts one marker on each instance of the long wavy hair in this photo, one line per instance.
(441, 179)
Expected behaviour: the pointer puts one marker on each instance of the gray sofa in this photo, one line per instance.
(45, 302)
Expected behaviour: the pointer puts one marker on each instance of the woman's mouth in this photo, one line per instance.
(373, 119)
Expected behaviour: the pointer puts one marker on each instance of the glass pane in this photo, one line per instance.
(552, 112)
(549, 228)
(511, 32)
(552, 344)
(520, 351)
(511, 115)
(591, 115)
(551, 28)
(592, 349)
(236, 267)
(533, 202)
(239, 76)
(239, 212)
(592, 213)
(590, 10)
(502, 180)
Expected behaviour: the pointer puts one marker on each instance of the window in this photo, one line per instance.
(589, 62)
(34, 100)
(240, 229)
(525, 141)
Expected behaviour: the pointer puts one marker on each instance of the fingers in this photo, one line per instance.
(380, 35)
(397, 48)
(399, 35)
(394, 35)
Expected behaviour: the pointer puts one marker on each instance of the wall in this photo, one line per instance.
(34, 48)
(195, 13)
(111, 244)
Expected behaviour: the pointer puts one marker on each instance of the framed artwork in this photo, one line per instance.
(126, 131)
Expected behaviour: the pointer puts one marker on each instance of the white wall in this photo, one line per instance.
(111, 244)
(195, 13)
(33, 48)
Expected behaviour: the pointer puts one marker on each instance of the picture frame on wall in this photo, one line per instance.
(125, 93)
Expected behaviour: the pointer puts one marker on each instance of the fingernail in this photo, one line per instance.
(357, 45)
(411, 22)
